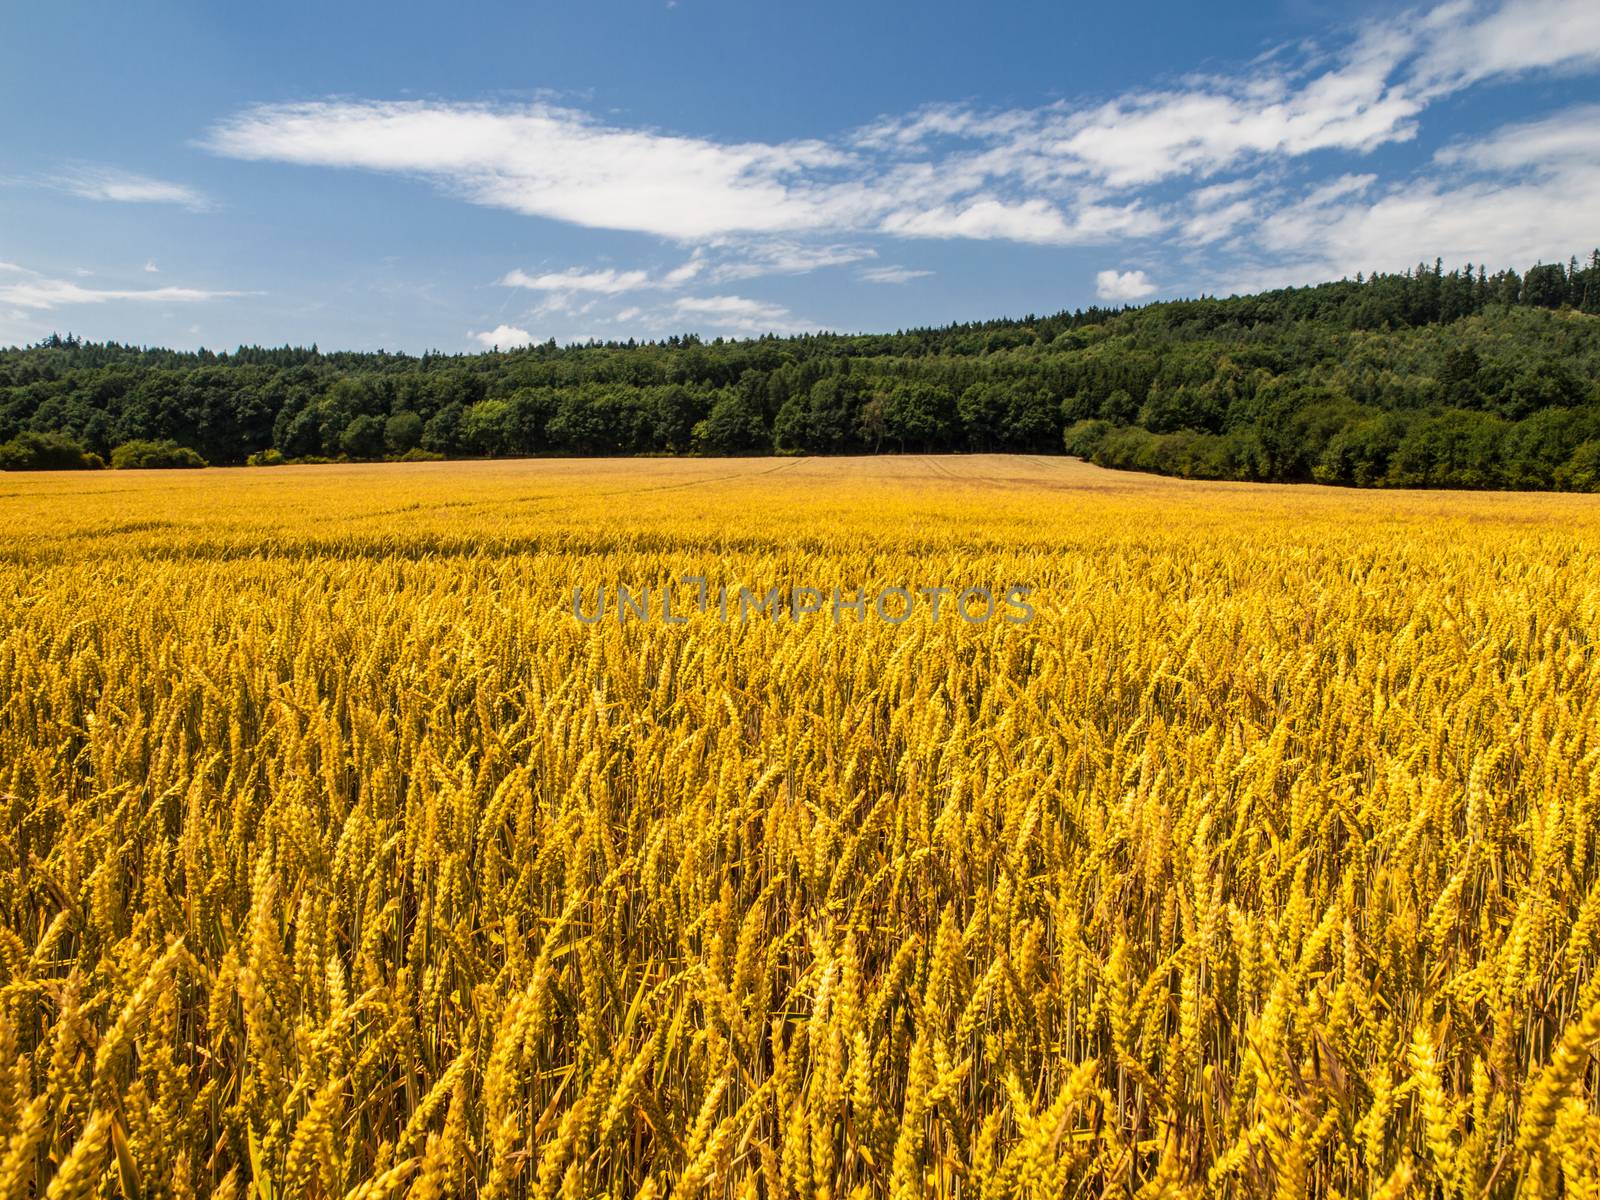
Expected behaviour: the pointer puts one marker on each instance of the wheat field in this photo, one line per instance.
(340, 860)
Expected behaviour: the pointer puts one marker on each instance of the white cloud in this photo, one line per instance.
(607, 282)
(559, 163)
(1220, 194)
(727, 260)
(1497, 222)
(1216, 161)
(727, 306)
(506, 337)
(1041, 176)
(1523, 193)
(101, 183)
(151, 268)
(892, 275)
(1122, 286)
(37, 292)
(1464, 42)
(737, 314)
(748, 260)
(556, 162)
(1198, 129)
(1028, 221)
(1211, 225)
(1549, 144)
(1144, 139)
(1373, 94)
(683, 274)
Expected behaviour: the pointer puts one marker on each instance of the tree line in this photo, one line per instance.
(1426, 377)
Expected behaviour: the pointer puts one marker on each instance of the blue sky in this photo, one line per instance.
(419, 177)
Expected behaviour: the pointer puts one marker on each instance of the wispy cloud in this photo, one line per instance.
(1470, 40)
(683, 274)
(122, 187)
(606, 282)
(1212, 224)
(737, 314)
(749, 259)
(891, 274)
(1542, 211)
(1037, 221)
(576, 291)
(1519, 193)
(559, 163)
(36, 292)
(1549, 145)
(1187, 158)
(556, 162)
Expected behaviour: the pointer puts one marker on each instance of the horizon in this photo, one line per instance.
(57, 338)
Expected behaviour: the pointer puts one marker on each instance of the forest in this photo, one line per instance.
(1463, 378)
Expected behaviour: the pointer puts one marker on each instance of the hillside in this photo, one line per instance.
(1423, 379)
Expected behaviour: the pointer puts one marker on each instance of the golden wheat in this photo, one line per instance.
(339, 860)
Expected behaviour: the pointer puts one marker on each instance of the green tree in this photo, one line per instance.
(442, 431)
(145, 456)
(819, 419)
(733, 426)
(920, 416)
(402, 432)
(486, 428)
(363, 437)
(45, 452)
(1120, 407)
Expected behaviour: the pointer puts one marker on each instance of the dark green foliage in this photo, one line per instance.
(820, 419)
(733, 426)
(442, 434)
(1581, 472)
(45, 452)
(919, 416)
(143, 455)
(1084, 438)
(1008, 416)
(363, 437)
(402, 432)
(1427, 378)
(486, 429)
